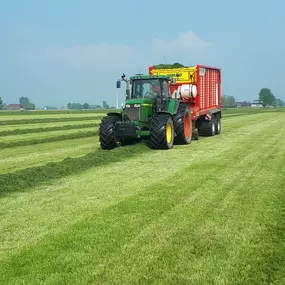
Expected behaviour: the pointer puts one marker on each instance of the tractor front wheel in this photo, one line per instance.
(183, 125)
(106, 132)
(161, 132)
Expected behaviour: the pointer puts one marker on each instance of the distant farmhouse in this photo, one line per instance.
(243, 104)
(15, 107)
(255, 103)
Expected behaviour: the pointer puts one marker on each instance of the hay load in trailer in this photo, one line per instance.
(170, 105)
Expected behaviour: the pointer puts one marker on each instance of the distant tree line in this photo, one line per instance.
(266, 98)
(86, 106)
(79, 106)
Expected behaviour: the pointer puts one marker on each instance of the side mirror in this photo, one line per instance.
(172, 81)
(119, 84)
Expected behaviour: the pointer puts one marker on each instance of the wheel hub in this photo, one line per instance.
(168, 133)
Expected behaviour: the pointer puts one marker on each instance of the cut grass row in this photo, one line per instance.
(59, 115)
(43, 135)
(43, 113)
(47, 129)
(17, 121)
(47, 138)
(4, 128)
(29, 177)
(218, 218)
(17, 158)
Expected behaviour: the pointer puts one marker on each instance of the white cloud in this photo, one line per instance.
(105, 56)
(87, 56)
(185, 43)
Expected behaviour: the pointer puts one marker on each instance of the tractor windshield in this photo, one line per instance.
(145, 88)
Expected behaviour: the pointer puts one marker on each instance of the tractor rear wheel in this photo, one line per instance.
(183, 125)
(207, 127)
(106, 132)
(161, 132)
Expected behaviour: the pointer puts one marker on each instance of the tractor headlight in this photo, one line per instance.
(137, 105)
(128, 106)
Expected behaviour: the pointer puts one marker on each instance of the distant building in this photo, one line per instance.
(243, 104)
(15, 107)
(257, 103)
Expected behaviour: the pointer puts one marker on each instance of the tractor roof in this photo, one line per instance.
(143, 76)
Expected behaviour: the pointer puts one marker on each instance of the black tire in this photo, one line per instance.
(207, 128)
(106, 132)
(218, 124)
(180, 119)
(158, 132)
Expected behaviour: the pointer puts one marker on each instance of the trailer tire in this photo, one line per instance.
(161, 132)
(106, 132)
(183, 125)
(218, 124)
(207, 128)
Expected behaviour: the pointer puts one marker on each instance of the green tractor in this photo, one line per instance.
(149, 113)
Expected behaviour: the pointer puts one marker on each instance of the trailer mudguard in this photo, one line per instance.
(214, 111)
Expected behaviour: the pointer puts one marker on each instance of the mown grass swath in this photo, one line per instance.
(29, 177)
(47, 129)
(46, 113)
(22, 157)
(48, 139)
(48, 120)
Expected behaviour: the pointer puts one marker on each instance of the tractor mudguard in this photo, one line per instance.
(177, 103)
(163, 112)
(115, 114)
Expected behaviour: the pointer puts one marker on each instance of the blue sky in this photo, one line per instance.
(55, 52)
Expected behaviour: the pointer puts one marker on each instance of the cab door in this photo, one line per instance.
(165, 93)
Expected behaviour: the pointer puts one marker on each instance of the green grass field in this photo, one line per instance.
(212, 212)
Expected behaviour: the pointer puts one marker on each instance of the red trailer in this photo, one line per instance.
(200, 88)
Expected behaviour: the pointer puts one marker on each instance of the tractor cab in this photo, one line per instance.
(145, 95)
(149, 88)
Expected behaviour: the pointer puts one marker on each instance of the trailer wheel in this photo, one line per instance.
(207, 128)
(161, 132)
(183, 125)
(217, 124)
(106, 132)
